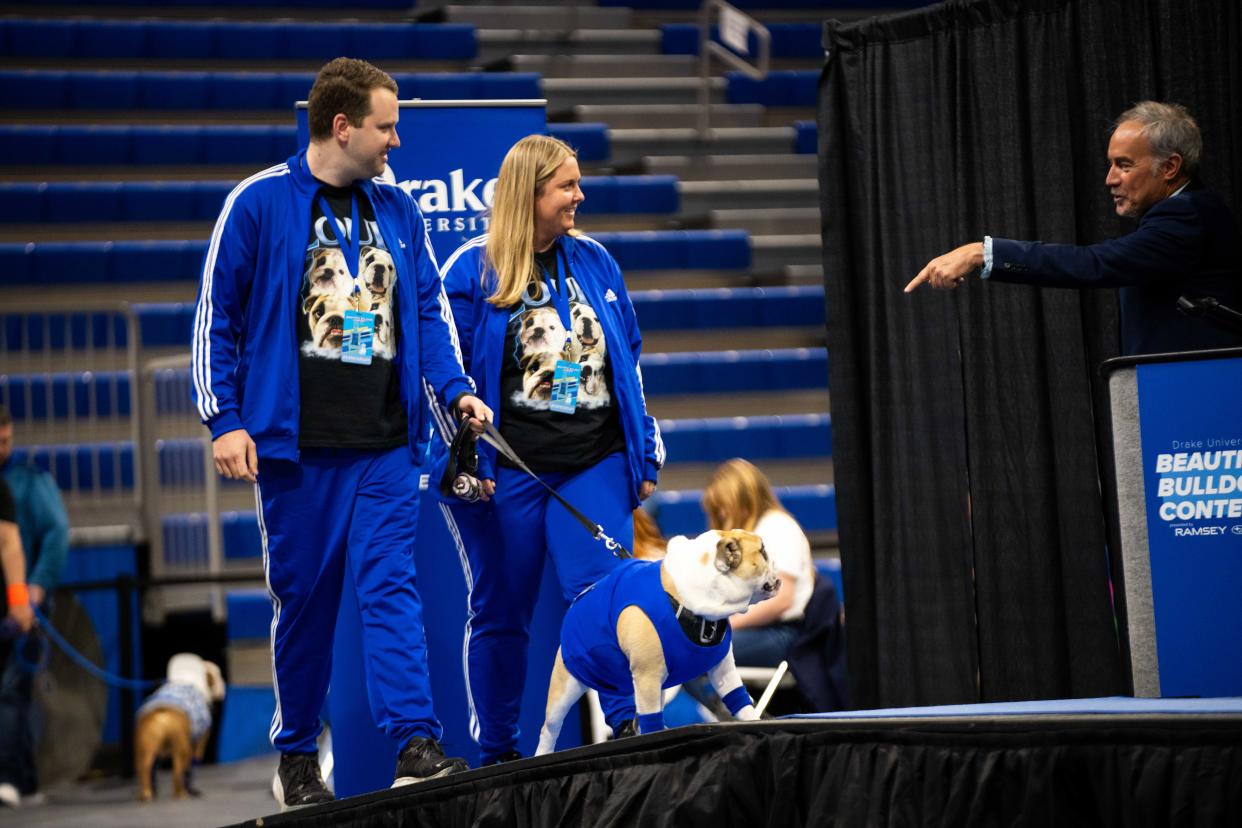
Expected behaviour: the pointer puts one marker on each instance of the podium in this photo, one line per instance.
(1177, 434)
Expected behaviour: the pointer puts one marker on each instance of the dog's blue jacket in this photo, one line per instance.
(245, 339)
(481, 330)
(589, 645)
(183, 697)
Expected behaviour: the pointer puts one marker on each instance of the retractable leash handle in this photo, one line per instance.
(492, 437)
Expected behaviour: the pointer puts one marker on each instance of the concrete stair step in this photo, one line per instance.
(775, 252)
(731, 167)
(775, 220)
(703, 196)
(805, 274)
(599, 66)
(629, 146)
(564, 93)
(547, 17)
(641, 116)
(496, 43)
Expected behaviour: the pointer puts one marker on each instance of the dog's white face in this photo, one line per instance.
(328, 273)
(720, 573)
(383, 330)
(215, 681)
(326, 317)
(376, 275)
(592, 382)
(537, 371)
(541, 331)
(588, 337)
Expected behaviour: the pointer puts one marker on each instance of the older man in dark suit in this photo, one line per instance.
(1186, 241)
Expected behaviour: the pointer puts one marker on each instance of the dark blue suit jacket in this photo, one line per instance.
(1185, 244)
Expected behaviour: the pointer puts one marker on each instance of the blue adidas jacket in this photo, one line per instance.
(245, 341)
(481, 329)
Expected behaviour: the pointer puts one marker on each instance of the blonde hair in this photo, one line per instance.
(527, 167)
(737, 495)
(649, 544)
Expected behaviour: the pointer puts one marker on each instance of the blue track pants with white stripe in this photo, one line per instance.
(338, 508)
(505, 543)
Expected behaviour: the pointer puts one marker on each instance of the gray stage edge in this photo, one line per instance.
(1132, 515)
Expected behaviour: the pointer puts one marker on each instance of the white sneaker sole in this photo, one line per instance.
(402, 781)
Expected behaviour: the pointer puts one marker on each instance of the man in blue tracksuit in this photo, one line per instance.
(321, 323)
(599, 448)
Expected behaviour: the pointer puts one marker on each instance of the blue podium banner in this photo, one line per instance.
(1191, 428)
(449, 156)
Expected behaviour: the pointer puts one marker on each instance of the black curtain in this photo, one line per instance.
(970, 433)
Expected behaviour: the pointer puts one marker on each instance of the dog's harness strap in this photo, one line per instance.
(701, 631)
(492, 436)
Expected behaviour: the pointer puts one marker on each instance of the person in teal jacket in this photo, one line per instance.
(44, 529)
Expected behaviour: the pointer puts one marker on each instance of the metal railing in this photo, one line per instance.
(67, 379)
(118, 432)
(735, 28)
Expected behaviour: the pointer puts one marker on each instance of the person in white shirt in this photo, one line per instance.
(738, 496)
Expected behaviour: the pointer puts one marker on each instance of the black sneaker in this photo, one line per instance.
(507, 756)
(422, 759)
(298, 783)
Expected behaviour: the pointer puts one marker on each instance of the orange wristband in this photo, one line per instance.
(19, 595)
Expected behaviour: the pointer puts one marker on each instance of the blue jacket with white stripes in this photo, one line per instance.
(245, 341)
(481, 330)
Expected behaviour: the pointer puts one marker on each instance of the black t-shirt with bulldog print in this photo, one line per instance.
(549, 441)
(346, 405)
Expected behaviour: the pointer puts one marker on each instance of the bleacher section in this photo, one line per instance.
(126, 129)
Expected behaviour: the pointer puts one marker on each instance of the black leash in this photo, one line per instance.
(492, 436)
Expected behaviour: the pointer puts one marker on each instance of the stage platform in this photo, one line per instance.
(1155, 762)
(1124, 762)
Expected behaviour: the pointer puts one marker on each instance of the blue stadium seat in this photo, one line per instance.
(146, 201)
(831, 568)
(678, 249)
(779, 88)
(716, 372)
(629, 194)
(589, 139)
(194, 144)
(806, 137)
(85, 466)
(679, 512)
(789, 40)
(699, 308)
(250, 614)
(164, 324)
(235, 40)
(125, 89)
(59, 396)
(170, 261)
(240, 535)
(761, 437)
(35, 333)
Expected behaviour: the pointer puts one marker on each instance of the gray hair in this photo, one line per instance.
(1169, 129)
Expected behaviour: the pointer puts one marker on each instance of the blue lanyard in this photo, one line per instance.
(350, 238)
(560, 291)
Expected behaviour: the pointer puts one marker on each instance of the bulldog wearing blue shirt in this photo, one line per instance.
(649, 625)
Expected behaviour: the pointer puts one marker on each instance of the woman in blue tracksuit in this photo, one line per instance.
(533, 298)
